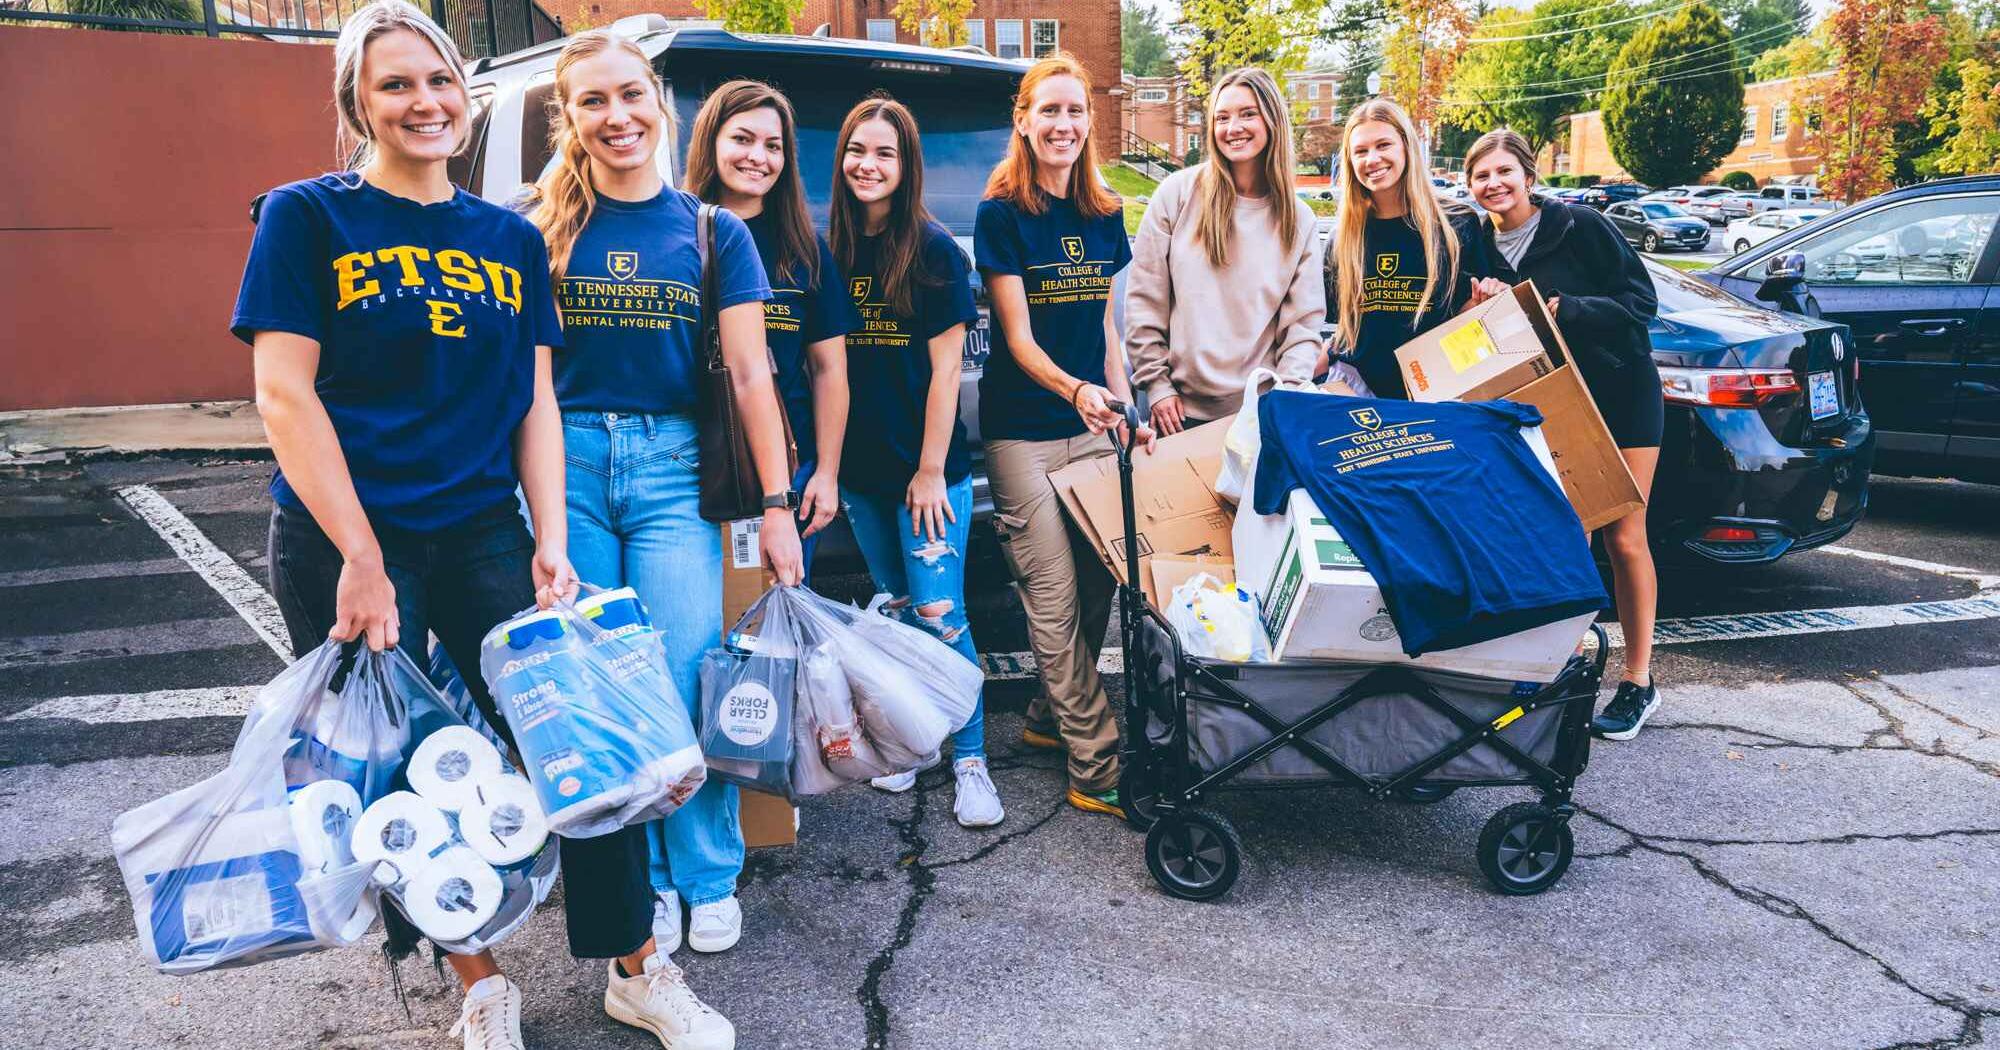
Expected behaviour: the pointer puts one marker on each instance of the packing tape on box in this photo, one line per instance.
(323, 815)
(453, 896)
(403, 830)
(506, 825)
(450, 765)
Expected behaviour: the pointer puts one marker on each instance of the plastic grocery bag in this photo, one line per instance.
(1218, 621)
(599, 724)
(1241, 441)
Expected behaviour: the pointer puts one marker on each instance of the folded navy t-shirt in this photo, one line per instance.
(1447, 507)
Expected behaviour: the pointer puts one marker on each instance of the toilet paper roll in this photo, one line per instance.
(450, 765)
(403, 830)
(323, 816)
(453, 896)
(506, 826)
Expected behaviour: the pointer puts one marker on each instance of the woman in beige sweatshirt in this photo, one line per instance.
(1224, 275)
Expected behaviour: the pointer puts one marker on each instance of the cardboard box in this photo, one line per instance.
(1170, 571)
(1174, 501)
(1509, 348)
(767, 819)
(1320, 603)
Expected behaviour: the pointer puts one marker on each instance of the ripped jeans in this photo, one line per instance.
(917, 574)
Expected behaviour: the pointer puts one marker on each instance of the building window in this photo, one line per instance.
(882, 29)
(1313, 113)
(975, 32)
(1047, 36)
(1152, 94)
(1312, 89)
(1194, 141)
(1007, 37)
(1749, 126)
(1781, 114)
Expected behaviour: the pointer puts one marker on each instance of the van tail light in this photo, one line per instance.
(1726, 387)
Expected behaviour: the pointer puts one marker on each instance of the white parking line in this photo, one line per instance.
(220, 571)
(1984, 581)
(224, 702)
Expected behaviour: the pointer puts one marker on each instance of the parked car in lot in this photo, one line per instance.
(1911, 273)
(1605, 194)
(1786, 197)
(1703, 202)
(1745, 234)
(1736, 205)
(1656, 225)
(1767, 448)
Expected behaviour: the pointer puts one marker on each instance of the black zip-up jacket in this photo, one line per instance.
(1607, 297)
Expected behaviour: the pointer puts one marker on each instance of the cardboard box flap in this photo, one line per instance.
(1588, 463)
(1174, 501)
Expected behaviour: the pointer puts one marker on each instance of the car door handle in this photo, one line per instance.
(1932, 326)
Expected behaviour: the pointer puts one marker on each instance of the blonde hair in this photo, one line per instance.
(1347, 248)
(1214, 196)
(358, 31)
(567, 194)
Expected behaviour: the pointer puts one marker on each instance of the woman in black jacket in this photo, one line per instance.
(1602, 298)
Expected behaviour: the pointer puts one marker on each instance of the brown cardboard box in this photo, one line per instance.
(1170, 571)
(1174, 500)
(767, 819)
(1513, 351)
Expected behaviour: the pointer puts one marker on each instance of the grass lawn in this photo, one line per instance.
(1683, 264)
(1130, 184)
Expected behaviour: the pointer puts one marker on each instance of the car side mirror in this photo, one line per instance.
(1786, 266)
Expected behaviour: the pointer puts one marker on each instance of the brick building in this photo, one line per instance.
(1773, 142)
(1024, 29)
(1160, 111)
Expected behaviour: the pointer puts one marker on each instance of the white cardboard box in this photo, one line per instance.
(1320, 603)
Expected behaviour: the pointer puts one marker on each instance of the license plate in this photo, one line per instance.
(1823, 395)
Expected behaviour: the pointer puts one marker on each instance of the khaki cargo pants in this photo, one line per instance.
(1067, 594)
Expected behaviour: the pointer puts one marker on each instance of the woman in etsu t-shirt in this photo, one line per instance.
(1398, 263)
(743, 156)
(629, 282)
(905, 473)
(402, 332)
(1050, 240)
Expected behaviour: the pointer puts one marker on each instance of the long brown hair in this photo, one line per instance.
(1214, 197)
(1013, 180)
(1347, 248)
(567, 194)
(901, 255)
(786, 201)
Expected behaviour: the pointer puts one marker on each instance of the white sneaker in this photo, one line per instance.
(661, 1002)
(715, 926)
(978, 804)
(897, 783)
(491, 1016)
(667, 923)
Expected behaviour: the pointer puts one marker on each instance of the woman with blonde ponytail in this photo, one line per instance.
(1398, 262)
(1224, 279)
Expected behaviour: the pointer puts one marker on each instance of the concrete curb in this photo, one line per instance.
(60, 434)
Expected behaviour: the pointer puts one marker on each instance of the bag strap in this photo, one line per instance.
(704, 241)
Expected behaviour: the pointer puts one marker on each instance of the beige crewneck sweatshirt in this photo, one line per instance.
(1196, 331)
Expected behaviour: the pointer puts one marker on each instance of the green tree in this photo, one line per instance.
(1426, 38)
(755, 16)
(1142, 41)
(1217, 36)
(1740, 180)
(1533, 85)
(1758, 26)
(1669, 116)
(1801, 56)
(156, 10)
(1968, 121)
(937, 23)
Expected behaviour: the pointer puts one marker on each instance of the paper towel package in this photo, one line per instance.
(237, 894)
(544, 689)
(1320, 603)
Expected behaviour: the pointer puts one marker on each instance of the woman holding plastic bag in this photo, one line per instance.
(402, 423)
(1050, 240)
(627, 381)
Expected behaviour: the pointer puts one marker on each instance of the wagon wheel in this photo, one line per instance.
(1525, 848)
(1194, 854)
(1138, 791)
(1424, 794)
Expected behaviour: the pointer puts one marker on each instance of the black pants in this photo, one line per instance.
(460, 582)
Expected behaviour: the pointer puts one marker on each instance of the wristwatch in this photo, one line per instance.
(787, 499)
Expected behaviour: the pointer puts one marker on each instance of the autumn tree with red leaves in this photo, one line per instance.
(1886, 54)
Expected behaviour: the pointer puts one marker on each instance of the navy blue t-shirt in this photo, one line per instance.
(804, 309)
(1066, 264)
(427, 318)
(889, 367)
(631, 303)
(1448, 508)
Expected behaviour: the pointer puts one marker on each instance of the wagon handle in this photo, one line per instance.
(1124, 450)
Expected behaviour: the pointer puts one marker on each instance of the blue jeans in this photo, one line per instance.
(915, 573)
(634, 520)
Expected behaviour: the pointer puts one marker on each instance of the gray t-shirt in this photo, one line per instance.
(1514, 243)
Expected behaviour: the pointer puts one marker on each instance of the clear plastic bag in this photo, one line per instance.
(1242, 440)
(263, 859)
(600, 726)
(1218, 621)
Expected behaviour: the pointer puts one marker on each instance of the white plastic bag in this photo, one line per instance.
(603, 732)
(1218, 621)
(1242, 440)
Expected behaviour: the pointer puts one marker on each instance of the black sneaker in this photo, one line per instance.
(1626, 712)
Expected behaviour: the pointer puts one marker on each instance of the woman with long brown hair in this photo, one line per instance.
(743, 155)
(1224, 280)
(906, 475)
(1050, 240)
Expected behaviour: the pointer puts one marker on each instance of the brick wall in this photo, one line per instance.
(1766, 150)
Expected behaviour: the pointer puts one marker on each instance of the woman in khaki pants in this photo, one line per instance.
(1050, 240)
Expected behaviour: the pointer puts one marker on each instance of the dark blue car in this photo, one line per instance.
(1910, 273)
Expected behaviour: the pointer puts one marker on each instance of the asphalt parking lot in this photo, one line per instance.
(1803, 850)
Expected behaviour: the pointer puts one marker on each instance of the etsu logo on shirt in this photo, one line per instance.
(859, 287)
(1385, 264)
(621, 265)
(1366, 418)
(360, 277)
(1073, 247)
